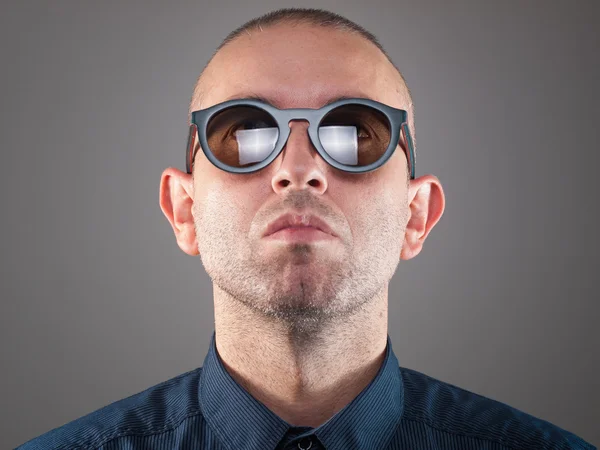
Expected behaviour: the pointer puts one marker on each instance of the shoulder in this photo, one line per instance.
(449, 411)
(156, 409)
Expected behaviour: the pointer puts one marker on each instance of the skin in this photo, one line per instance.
(301, 326)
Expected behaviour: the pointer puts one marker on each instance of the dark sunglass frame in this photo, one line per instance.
(396, 117)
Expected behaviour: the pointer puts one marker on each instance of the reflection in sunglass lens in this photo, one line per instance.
(355, 135)
(242, 136)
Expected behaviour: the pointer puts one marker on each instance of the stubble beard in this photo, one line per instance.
(299, 287)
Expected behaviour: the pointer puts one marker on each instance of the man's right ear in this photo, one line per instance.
(176, 201)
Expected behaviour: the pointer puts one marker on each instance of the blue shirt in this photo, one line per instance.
(400, 409)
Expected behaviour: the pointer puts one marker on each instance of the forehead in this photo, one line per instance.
(300, 67)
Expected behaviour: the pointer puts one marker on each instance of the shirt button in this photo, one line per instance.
(305, 443)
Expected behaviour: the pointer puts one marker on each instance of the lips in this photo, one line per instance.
(298, 220)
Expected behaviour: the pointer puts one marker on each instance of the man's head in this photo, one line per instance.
(378, 217)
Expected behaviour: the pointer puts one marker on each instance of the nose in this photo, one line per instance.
(299, 165)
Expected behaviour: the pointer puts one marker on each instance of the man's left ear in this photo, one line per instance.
(427, 201)
(176, 201)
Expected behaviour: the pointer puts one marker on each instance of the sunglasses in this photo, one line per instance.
(353, 134)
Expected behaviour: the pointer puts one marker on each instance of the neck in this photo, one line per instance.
(304, 378)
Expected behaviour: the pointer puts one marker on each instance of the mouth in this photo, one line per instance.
(299, 225)
(300, 234)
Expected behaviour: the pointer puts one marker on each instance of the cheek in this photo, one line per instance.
(228, 211)
(375, 212)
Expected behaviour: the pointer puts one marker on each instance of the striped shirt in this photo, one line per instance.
(399, 409)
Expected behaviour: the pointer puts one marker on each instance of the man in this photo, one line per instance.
(300, 200)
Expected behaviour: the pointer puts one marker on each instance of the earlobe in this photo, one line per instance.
(176, 201)
(427, 203)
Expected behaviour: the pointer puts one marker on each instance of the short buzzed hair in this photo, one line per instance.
(314, 17)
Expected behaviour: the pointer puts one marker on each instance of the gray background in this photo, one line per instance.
(99, 303)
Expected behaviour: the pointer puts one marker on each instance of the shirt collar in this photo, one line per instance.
(243, 423)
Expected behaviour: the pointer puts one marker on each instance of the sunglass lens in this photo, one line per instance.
(242, 136)
(355, 135)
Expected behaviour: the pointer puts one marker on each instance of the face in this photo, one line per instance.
(301, 283)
